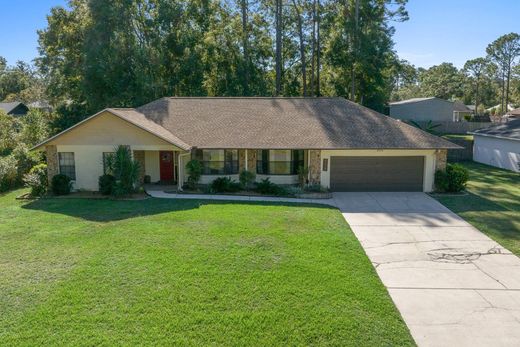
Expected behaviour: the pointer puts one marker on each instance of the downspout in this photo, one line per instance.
(180, 181)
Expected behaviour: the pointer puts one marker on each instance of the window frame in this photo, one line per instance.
(67, 172)
(263, 162)
(226, 167)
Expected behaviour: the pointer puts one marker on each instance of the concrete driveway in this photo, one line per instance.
(453, 285)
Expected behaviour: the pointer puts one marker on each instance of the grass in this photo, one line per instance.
(165, 272)
(492, 205)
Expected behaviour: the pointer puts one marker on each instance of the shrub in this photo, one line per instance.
(247, 178)
(194, 168)
(25, 160)
(303, 173)
(293, 190)
(147, 179)
(61, 184)
(125, 170)
(267, 187)
(225, 185)
(316, 188)
(36, 179)
(106, 184)
(453, 180)
(8, 173)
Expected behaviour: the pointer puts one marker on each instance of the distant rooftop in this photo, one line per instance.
(409, 101)
(509, 130)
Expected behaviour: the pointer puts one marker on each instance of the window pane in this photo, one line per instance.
(213, 155)
(67, 165)
(280, 155)
(280, 168)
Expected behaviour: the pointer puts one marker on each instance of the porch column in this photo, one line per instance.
(51, 153)
(315, 166)
(242, 157)
(251, 160)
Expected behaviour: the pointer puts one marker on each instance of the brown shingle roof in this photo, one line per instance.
(278, 123)
(140, 120)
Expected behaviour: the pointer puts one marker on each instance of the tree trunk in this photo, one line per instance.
(313, 48)
(245, 44)
(502, 97)
(507, 85)
(318, 49)
(278, 21)
(302, 47)
(354, 54)
(476, 97)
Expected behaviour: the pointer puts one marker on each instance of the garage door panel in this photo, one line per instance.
(377, 173)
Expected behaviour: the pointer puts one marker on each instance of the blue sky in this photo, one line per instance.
(438, 30)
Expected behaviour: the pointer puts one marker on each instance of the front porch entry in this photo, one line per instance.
(167, 164)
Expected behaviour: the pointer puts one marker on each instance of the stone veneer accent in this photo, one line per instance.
(51, 153)
(251, 160)
(241, 160)
(315, 166)
(139, 157)
(441, 158)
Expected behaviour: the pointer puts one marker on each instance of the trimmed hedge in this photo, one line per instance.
(61, 184)
(453, 180)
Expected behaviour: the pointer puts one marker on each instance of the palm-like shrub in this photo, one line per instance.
(125, 170)
(194, 168)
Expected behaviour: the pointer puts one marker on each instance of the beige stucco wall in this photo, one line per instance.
(429, 162)
(108, 129)
(101, 134)
(153, 168)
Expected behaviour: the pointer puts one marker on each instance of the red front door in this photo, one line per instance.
(166, 165)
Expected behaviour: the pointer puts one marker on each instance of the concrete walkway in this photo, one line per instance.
(452, 284)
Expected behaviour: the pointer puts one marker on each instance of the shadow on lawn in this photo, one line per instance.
(485, 214)
(116, 210)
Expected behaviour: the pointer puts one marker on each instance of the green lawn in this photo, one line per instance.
(164, 272)
(492, 205)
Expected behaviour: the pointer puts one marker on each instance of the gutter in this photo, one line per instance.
(494, 136)
(180, 181)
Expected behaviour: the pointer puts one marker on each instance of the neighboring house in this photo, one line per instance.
(15, 109)
(461, 112)
(429, 109)
(345, 146)
(498, 145)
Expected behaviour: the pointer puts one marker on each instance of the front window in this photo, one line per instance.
(279, 161)
(67, 164)
(218, 161)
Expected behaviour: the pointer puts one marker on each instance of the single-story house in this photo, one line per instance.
(498, 145)
(429, 109)
(344, 146)
(15, 109)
